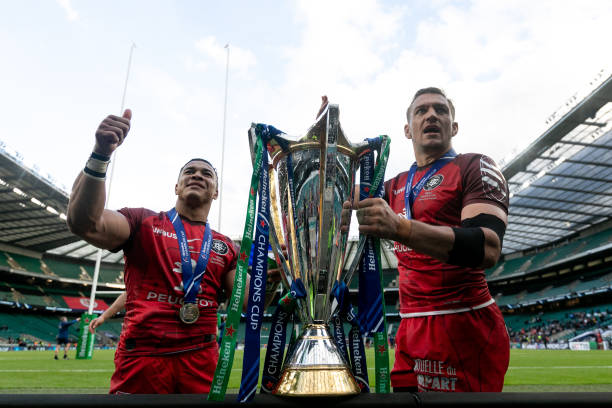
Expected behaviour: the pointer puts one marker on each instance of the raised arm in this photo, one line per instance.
(86, 216)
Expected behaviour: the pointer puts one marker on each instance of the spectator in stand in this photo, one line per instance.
(62, 336)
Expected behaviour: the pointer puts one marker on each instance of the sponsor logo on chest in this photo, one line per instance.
(163, 233)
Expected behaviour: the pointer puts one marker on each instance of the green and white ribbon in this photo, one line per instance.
(228, 344)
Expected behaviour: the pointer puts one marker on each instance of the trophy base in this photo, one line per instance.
(316, 368)
(317, 382)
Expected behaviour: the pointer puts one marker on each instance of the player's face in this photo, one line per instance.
(197, 182)
(431, 126)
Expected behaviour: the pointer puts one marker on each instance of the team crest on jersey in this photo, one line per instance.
(219, 247)
(433, 182)
(493, 181)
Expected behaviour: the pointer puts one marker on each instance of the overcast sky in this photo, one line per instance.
(507, 65)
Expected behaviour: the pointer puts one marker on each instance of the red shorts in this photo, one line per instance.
(189, 372)
(466, 351)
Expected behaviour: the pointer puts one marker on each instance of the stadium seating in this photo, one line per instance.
(64, 269)
(530, 320)
(534, 262)
(21, 262)
(59, 268)
(37, 326)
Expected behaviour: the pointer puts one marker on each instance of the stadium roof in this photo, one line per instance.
(560, 185)
(32, 213)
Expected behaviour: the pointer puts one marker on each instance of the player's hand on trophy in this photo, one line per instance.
(347, 210)
(376, 218)
(274, 275)
(112, 132)
(345, 216)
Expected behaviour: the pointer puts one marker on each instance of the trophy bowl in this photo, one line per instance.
(310, 179)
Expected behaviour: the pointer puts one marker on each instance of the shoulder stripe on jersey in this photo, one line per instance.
(494, 183)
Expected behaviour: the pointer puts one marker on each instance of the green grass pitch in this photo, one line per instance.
(529, 371)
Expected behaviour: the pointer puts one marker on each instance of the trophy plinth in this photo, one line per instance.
(316, 368)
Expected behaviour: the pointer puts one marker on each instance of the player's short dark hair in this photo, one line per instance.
(202, 160)
(430, 90)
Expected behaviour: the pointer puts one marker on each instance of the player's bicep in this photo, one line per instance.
(110, 232)
(472, 210)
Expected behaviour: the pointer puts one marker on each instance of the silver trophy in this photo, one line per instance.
(310, 178)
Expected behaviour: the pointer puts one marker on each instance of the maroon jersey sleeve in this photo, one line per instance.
(483, 182)
(134, 217)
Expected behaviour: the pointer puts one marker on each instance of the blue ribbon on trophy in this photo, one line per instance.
(354, 351)
(278, 333)
(257, 288)
(370, 291)
(371, 300)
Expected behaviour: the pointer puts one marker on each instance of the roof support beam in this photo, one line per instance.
(539, 217)
(523, 231)
(581, 162)
(546, 226)
(42, 234)
(519, 235)
(593, 145)
(559, 200)
(570, 190)
(534, 207)
(572, 176)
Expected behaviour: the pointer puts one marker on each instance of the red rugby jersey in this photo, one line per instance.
(154, 284)
(425, 283)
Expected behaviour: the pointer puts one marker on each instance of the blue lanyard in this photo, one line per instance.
(411, 193)
(191, 278)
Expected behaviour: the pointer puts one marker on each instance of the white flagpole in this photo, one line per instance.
(94, 284)
(223, 143)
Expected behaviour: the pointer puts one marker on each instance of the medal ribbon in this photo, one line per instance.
(257, 290)
(191, 278)
(411, 193)
(228, 343)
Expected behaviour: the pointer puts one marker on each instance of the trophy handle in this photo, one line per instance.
(276, 233)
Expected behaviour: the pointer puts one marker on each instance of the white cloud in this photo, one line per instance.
(71, 14)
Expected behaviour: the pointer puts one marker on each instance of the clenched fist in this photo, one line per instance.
(112, 132)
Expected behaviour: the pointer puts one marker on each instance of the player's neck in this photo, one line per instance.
(425, 158)
(193, 213)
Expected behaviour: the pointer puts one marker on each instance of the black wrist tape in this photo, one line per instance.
(468, 248)
(99, 156)
(96, 166)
